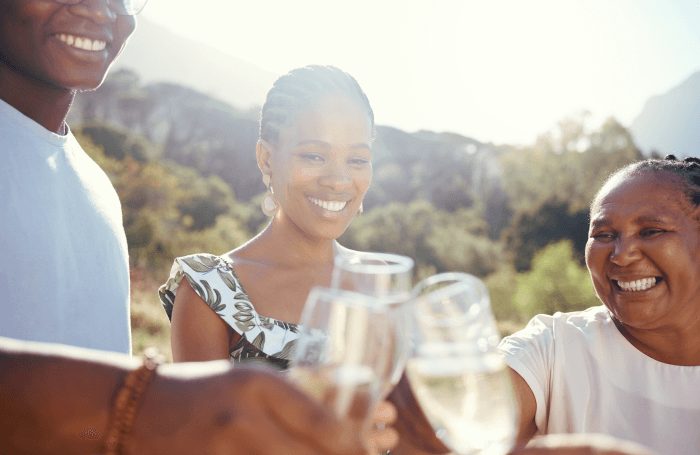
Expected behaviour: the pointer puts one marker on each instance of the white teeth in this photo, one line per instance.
(331, 206)
(638, 285)
(83, 43)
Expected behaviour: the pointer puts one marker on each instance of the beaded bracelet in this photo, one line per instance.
(127, 401)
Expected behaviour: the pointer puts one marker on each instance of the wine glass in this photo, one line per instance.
(388, 278)
(341, 352)
(460, 381)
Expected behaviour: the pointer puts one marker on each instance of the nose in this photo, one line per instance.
(625, 252)
(98, 11)
(336, 176)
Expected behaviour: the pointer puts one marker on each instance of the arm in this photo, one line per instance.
(197, 333)
(416, 435)
(57, 399)
(528, 408)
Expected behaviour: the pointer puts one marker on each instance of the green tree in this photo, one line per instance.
(556, 282)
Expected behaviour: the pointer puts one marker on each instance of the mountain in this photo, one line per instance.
(159, 55)
(670, 123)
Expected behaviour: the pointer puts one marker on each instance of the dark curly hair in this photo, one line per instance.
(299, 90)
(688, 169)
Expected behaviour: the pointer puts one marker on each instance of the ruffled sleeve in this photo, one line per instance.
(215, 281)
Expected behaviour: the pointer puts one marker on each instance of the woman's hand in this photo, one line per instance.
(381, 437)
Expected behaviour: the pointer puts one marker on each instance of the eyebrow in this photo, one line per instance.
(643, 219)
(359, 145)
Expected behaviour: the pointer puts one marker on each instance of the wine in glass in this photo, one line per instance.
(460, 381)
(341, 351)
(388, 278)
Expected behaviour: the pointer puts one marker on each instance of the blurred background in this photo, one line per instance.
(496, 124)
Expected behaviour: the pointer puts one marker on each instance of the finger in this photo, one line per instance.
(382, 440)
(385, 413)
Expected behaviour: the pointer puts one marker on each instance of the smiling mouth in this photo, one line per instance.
(637, 285)
(82, 43)
(331, 206)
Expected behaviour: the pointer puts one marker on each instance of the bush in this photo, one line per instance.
(556, 282)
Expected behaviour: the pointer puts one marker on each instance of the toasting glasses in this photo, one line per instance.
(388, 278)
(354, 336)
(342, 352)
(460, 381)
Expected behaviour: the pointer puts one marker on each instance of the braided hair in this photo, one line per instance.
(688, 169)
(299, 90)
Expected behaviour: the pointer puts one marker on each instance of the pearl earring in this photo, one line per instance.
(361, 209)
(270, 206)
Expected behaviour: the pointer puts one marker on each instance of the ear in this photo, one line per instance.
(264, 153)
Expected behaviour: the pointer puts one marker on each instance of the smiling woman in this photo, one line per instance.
(315, 153)
(629, 368)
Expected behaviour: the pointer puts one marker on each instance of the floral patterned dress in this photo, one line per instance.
(214, 280)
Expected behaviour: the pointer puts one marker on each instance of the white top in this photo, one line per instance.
(64, 270)
(587, 378)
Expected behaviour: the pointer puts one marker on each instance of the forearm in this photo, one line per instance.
(54, 398)
(416, 435)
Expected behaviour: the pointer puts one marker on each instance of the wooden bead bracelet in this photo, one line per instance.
(127, 401)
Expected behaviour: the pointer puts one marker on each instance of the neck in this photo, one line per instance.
(675, 346)
(294, 248)
(45, 104)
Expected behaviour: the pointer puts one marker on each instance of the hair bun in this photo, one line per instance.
(671, 158)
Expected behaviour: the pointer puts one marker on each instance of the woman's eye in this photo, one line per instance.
(602, 235)
(651, 232)
(313, 158)
(359, 161)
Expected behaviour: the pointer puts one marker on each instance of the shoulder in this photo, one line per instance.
(212, 277)
(545, 330)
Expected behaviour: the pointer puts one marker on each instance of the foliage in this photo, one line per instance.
(550, 185)
(446, 241)
(168, 210)
(556, 283)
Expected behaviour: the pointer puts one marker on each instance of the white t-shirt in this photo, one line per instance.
(587, 378)
(64, 269)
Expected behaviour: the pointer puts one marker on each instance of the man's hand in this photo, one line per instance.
(235, 411)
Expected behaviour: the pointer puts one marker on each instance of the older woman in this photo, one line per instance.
(630, 368)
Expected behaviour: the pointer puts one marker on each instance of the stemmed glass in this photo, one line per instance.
(388, 278)
(460, 381)
(341, 353)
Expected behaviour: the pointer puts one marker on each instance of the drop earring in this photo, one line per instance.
(361, 209)
(269, 202)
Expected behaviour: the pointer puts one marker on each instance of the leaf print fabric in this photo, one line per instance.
(215, 281)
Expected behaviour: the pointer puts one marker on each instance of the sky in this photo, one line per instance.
(496, 71)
